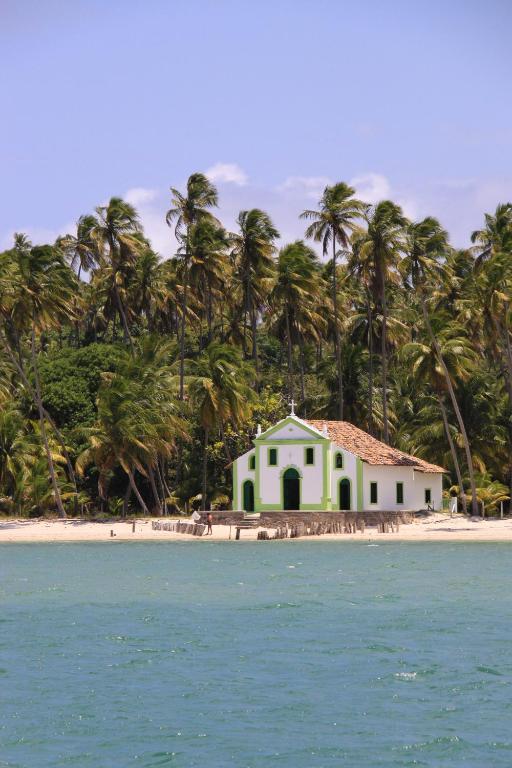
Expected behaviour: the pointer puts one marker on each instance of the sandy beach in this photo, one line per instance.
(436, 528)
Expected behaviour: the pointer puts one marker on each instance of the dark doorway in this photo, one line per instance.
(249, 496)
(345, 500)
(291, 489)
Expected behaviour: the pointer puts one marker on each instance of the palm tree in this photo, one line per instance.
(186, 210)
(294, 299)
(209, 268)
(253, 256)
(39, 299)
(331, 225)
(117, 235)
(381, 247)
(137, 423)
(448, 356)
(221, 392)
(81, 249)
(493, 286)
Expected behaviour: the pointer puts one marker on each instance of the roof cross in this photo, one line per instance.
(292, 406)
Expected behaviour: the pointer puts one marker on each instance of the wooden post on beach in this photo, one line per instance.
(133, 527)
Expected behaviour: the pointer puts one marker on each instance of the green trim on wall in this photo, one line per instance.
(293, 441)
(326, 502)
(235, 485)
(257, 479)
(359, 484)
(288, 420)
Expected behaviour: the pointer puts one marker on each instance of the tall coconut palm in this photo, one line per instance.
(294, 299)
(253, 252)
(117, 235)
(40, 299)
(209, 268)
(81, 249)
(493, 289)
(331, 225)
(220, 389)
(137, 423)
(382, 247)
(448, 356)
(186, 210)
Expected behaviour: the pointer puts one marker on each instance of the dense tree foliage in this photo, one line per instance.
(129, 382)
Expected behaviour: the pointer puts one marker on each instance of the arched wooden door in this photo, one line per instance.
(291, 489)
(344, 493)
(248, 490)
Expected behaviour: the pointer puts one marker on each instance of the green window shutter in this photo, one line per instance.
(399, 493)
(310, 456)
(272, 457)
(252, 462)
(373, 493)
(338, 461)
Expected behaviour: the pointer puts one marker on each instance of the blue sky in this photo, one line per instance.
(273, 98)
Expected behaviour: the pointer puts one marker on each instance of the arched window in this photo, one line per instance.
(338, 461)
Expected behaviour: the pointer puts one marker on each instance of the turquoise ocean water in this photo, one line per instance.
(293, 654)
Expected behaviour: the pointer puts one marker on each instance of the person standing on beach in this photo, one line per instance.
(209, 521)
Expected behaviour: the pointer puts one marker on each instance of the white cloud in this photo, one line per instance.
(140, 195)
(308, 186)
(371, 187)
(227, 173)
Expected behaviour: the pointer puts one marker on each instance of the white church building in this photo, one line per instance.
(330, 465)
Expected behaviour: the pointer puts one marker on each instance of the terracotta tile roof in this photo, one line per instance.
(368, 448)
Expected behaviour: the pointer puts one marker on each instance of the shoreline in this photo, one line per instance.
(438, 527)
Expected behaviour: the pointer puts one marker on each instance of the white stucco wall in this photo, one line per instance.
(349, 470)
(431, 480)
(243, 473)
(414, 487)
(295, 431)
(290, 456)
(386, 477)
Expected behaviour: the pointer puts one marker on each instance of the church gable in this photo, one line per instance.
(291, 428)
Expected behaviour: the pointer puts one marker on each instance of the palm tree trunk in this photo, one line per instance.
(18, 364)
(370, 368)
(136, 492)
(290, 354)
(302, 367)
(126, 499)
(225, 442)
(337, 343)
(205, 469)
(254, 333)
(455, 405)
(122, 316)
(508, 349)
(453, 452)
(209, 310)
(154, 490)
(384, 354)
(182, 330)
(44, 436)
